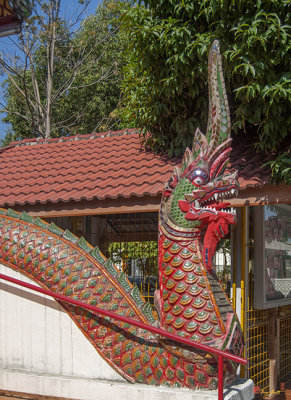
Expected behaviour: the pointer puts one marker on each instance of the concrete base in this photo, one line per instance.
(242, 389)
(85, 389)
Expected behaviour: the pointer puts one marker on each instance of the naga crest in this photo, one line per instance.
(194, 199)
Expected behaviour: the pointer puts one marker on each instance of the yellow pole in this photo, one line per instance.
(234, 268)
(244, 271)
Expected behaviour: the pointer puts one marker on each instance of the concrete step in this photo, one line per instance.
(49, 387)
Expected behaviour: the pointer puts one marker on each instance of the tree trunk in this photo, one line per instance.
(53, 16)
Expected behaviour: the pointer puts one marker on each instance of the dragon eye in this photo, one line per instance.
(198, 181)
(198, 177)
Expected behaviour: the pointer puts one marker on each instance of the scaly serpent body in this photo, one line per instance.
(70, 267)
(190, 301)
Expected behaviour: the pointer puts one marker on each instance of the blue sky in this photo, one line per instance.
(7, 45)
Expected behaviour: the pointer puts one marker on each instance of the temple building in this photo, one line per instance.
(107, 188)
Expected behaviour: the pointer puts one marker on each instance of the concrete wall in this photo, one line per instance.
(38, 337)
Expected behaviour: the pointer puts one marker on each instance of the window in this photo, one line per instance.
(130, 239)
(272, 256)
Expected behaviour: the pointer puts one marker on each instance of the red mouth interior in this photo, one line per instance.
(219, 206)
(216, 206)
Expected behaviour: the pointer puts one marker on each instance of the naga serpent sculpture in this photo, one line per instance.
(190, 302)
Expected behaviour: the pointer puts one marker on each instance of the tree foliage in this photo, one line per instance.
(66, 76)
(281, 168)
(165, 86)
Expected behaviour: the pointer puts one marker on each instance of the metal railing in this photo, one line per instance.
(219, 353)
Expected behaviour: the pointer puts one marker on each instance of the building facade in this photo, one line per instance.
(106, 188)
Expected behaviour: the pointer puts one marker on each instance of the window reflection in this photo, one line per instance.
(277, 228)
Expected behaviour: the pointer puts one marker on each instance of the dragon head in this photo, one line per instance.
(195, 197)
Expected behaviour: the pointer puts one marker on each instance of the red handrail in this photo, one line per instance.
(221, 354)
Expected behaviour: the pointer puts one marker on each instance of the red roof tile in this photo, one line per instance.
(96, 166)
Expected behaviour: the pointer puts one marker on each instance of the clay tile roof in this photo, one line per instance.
(250, 164)
(11, 16)
(96, 166)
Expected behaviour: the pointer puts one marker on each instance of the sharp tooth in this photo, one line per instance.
(197, 204)
(216, 196)
(189, 197)
(232, 191)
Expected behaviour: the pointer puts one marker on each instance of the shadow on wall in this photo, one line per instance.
(31, 296)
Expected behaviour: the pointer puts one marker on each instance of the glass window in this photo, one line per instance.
(277, 227)
(273, 255)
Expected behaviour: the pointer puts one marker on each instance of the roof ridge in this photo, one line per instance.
(93, 135)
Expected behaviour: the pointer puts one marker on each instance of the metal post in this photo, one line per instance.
(244, 272)
(233, 238)
(220, 378)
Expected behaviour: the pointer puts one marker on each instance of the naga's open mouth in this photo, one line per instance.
(199, 206)
(212, 212)
(213, 207)
(218, 195)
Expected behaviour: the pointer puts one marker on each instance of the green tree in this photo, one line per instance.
(165, 86)
(65, 78)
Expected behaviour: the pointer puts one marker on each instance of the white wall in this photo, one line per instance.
(43, 352)
(37, 336)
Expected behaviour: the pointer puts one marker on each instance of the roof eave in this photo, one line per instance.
(252, 196)
(12, 27)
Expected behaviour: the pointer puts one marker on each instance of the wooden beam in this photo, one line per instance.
(268, 194)
(132, 237)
